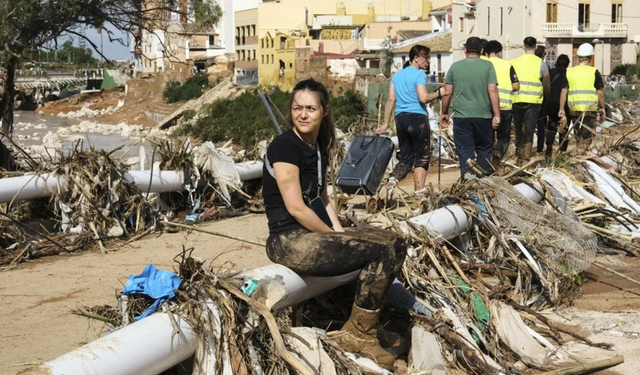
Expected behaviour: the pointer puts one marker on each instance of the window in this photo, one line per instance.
(212, 40)
(501, 20)
(262, 43)
(552, 12)
(461, 24)
(254, 54)
(616, 13)
(584, 16)
(262, 59)
(488, 20)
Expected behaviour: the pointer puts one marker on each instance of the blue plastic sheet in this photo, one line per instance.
(155, 284)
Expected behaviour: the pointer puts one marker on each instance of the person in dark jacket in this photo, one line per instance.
(552, 106)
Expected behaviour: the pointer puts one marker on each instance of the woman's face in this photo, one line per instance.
(306, 112)
(423, 61)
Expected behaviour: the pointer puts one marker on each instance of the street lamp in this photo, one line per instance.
(600, 41)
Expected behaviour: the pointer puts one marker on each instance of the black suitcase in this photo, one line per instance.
(364, 166)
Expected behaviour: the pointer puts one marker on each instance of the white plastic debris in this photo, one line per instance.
(514, 332)
(426, 354)
(313, 355)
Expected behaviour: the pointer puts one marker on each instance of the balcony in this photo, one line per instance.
(574, 30)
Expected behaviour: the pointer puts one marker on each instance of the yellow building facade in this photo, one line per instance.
(277, 62)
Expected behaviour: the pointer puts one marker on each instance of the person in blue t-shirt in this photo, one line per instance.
(432, 78)
(408, 92)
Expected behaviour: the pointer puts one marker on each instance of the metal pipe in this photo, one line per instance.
(263, 96)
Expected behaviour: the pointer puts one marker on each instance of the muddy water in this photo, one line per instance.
(32, 136)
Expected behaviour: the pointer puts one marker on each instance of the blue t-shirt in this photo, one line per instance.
(404, 85)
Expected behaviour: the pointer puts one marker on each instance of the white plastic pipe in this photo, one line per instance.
(299, 288)
(147, 347)
(249, 170)
(452, 221)
(531, 194)
(32, 186)
(447, 222)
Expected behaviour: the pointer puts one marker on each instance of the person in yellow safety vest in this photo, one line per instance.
(507, 84)
(535, 85)
(585, 96)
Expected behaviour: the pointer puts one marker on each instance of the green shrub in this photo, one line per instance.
(245, 119)
(627, 70)
(192, 88)
(347, 108)
(622, 69)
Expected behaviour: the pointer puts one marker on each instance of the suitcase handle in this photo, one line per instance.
(349, 178)
(364, 147)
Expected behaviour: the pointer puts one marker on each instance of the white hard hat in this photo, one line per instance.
(585, 50)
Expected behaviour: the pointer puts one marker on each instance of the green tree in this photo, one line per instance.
(28, 25)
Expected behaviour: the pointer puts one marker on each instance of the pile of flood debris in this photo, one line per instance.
(476, 290)
(486, 257)
(96, 197)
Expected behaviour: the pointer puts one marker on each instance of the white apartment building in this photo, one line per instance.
(177, 44)
(613, 26)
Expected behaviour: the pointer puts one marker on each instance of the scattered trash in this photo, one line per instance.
(153, 283)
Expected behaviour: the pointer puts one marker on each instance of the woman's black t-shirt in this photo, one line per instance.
(289, 148)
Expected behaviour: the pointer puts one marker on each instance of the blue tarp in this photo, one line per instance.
(155, 284)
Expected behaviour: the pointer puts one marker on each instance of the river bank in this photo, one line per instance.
(44, 135)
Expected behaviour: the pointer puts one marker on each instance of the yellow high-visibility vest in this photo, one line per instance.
(582, 96)
(528, 70)
(503, 72)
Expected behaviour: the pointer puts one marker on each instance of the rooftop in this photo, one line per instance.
(437, 42)
(411, 34)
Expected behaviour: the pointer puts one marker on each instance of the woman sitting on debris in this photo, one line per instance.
(296, 200)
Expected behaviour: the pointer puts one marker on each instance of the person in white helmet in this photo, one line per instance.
(585, 97)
